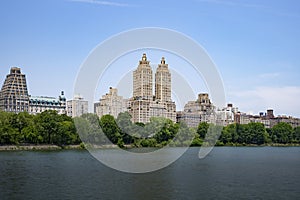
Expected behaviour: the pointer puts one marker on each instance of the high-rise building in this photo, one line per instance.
(14, 94)
(144, 105)
(111, 103)
(142, 80)
(163, 82)
(77, 106)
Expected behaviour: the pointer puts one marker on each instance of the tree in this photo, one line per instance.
(126, 127)
(227, 133)
(257, 133)
(48, 125)
(202, 129)
(89, 130)
(162, 129)
(8, 133)
(110, 128)
(296, 135)
(282, 133)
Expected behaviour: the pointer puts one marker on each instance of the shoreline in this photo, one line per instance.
(47, 147)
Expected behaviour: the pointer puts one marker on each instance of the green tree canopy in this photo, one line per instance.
(282, 133)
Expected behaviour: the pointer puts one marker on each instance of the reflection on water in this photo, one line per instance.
(226, 173)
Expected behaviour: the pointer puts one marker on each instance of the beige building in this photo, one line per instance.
(77, 106)
(111, 104)
(163, 82)
(144, 105)
(142, 80)
(201, 110)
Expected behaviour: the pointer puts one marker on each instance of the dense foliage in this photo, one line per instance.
(44, 128)
(50, 128)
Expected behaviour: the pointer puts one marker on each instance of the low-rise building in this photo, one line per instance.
(226, 115)
(77, 106)
(268, 119)
(38, 104)
(294, 122)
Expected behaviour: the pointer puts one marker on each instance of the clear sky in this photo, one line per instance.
(254, 43)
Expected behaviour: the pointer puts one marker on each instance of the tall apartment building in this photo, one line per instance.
(77, 106)
(201, 110)
(144, 105)
(110, 103)
(14, 94)
(142, 80)
(163, 82)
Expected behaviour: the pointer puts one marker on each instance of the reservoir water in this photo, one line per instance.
(226, 173)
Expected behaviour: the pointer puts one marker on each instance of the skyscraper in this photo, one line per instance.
(14, 94)
(144, 105)
(163, 82)
(142, 80)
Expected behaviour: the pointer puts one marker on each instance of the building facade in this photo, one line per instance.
(144, 105)
(163, 82)
(110, 103)
(14, 94)
(201, 110)
(268, 119)
(77, 106)
(39, 104)
(226, 115)
(142, 80)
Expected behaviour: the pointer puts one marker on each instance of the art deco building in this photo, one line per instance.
(77, 106)
(163, 82)
(111, 104)
(142, 80)
(14, 94)
(144, 105)
(38, 104)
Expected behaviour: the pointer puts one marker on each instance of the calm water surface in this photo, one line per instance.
(227, 173)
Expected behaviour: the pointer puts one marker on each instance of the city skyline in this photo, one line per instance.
(142, 105)
(253, 43)
(153, 90)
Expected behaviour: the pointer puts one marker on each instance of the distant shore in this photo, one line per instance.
(37, 147)
(47, 147)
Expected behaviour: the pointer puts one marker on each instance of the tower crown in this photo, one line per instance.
(15, 70)
(144, 59)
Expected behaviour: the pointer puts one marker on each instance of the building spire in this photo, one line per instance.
(144, 58)
(163, 61)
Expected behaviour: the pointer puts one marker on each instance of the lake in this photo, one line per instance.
(226, 173)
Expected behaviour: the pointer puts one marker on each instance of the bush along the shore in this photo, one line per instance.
(51, 128)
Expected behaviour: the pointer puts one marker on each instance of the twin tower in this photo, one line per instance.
(143, 104)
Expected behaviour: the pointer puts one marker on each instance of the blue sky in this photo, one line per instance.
(255, 44)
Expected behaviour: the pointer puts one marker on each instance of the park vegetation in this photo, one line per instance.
(51, 128)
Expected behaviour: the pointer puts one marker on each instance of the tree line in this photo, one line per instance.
(45, 128)
(49, 127)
